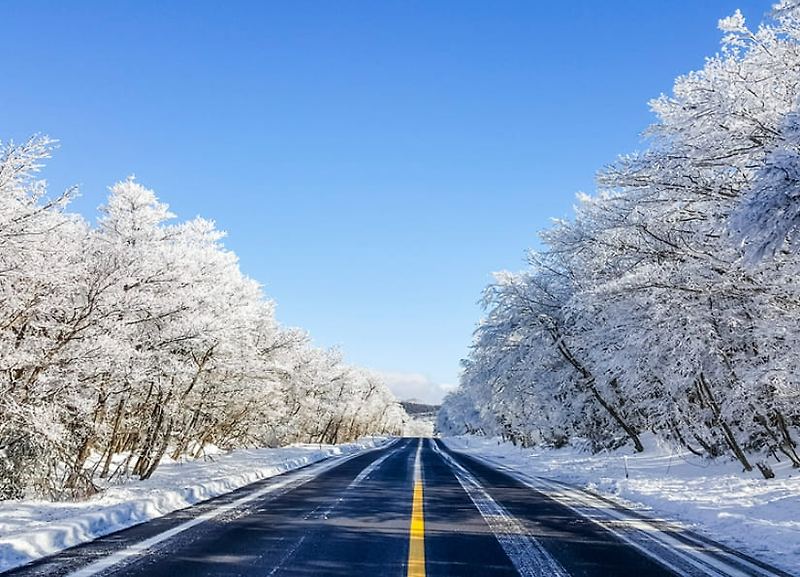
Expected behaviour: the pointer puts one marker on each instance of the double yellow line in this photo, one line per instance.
(416, 544)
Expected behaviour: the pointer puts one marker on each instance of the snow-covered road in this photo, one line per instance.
(713, 498)
(359, 515)
(30, 530)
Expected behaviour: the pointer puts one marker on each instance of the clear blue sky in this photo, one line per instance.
(372, 162)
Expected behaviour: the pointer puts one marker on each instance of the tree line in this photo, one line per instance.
(669, 305)
(139, 338)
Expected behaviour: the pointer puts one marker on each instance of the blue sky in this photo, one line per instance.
(372, 162)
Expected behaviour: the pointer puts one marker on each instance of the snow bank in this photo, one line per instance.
(33, 529)
(717, 499)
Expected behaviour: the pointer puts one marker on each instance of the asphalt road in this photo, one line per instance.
(354, 517)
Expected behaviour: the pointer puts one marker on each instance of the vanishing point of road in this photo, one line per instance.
(411, 508)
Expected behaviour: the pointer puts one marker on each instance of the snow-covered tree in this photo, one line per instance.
(661, 312)
(141, 337)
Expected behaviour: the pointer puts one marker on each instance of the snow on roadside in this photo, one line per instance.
(33, 529)
(761, 518)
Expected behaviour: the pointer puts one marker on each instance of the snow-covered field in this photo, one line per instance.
(714, 498)
(32, 529)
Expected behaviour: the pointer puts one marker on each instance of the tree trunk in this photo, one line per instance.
(705, 391)
(589, 381)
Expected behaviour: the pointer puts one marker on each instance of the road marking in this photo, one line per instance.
(141, 547)
(416, 543)
(528, 556)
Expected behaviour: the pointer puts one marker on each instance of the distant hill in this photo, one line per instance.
(420, 410)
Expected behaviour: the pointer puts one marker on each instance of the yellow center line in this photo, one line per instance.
(416, 546)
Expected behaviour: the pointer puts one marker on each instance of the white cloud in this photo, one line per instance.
(418, 386)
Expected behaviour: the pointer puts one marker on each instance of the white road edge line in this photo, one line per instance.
(526, 553)
(700, 560)
(138, 548)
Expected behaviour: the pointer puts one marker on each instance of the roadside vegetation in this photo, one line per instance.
(140, 338)
(669, 303)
